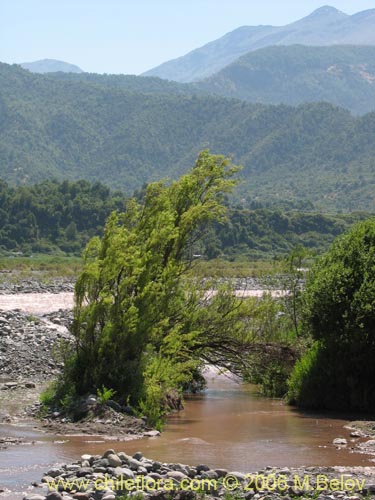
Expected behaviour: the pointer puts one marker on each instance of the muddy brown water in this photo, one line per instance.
(228, 426)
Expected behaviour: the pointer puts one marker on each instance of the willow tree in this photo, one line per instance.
(138, 319)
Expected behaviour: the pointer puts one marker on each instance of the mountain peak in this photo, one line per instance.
(324, 26)
(328, 9)
(51, 66)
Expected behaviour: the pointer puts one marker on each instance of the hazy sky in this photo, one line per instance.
(131, 36)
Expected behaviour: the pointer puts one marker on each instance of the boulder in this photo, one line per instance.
(114, 460)
(54, 495)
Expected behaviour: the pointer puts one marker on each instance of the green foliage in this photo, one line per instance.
(293, 74)
(274, 378)
(139, 325)
(315, 153)
(33, 319)
(47, 397)
(45, 266)
(293, 284)
(161, 379)
(340, 314)
(53, 216)
(145, 85)
(61, 217)
(270, 361)
(276, 323)
(261, 232)
(66, 402)
(105, 394)
(306, 378)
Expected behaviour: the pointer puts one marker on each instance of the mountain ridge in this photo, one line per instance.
(343, 75)
(311, 154)
(324, 26)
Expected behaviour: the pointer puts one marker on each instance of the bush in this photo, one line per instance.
(105, 394)
(47, 397)
(338, 372)
(306, 375)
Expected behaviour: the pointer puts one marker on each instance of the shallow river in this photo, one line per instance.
(227, 426)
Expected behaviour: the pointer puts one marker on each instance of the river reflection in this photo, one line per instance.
(227, 426)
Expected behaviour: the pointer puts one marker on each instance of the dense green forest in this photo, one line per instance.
(264, 232)
(341, 75)
(54, 216)
(62, 216)
(70, 130)
(337, 371)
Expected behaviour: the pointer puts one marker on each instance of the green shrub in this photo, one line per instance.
(274, 382)
(302, 381)
(105, 394)
(338, 372)
(47, 397)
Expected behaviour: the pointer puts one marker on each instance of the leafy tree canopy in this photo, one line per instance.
(338, 372)
(140, 326)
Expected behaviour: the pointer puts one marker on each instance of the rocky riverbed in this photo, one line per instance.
(30, 359)
(113, 475)
(66, 284)
(29, 347)
(33, 285)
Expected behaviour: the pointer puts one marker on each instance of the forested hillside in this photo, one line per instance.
(263, 232)
(342, 75)
(69, 130)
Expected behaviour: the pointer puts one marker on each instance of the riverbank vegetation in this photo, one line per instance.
(146, 317)
(338, 371)
(140, 327)
(143, 325)
(44, 267)
(54, 217)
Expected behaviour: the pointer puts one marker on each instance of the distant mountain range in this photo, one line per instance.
(325, 26)
(295, 156)
(51, 66)
(342, 75)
